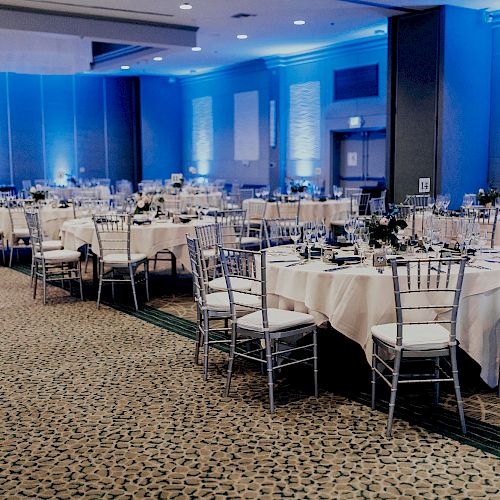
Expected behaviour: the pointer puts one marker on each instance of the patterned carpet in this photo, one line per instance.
(103, 404)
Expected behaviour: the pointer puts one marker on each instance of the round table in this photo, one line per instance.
(52, 220)
(358, 297)
(147, 239)
(328, 210)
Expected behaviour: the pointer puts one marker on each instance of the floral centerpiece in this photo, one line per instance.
(384, 230)
(142, 203)
(298, 186)
(36, 194)
(487, 198)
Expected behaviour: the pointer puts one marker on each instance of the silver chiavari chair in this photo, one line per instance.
(364, 203)
(51, 265)
(377, 206)
(115, 255)
(231, 227)
(210, 306)
(272, 331)
(423, 291)
(19, 231)
(280, 231)
(487, 219)
(288, 209)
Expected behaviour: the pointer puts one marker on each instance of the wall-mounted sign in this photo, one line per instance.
(424, 185)
(355, 122)
(352, 159)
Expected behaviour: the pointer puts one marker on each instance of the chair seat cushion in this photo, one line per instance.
(59, 255)
(250, 240)
(415, 337)
(48, 245)
(21, 232)
(122, 258)
(278, 320)
(219, 301)
(238, 284)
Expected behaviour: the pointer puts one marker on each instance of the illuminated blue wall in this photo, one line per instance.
(221, 87)
(161, 127)
(494, 159)
(51, 126)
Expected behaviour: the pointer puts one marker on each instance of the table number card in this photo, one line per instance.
(379, 258)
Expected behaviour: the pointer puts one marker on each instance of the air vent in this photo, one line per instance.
(242, 14)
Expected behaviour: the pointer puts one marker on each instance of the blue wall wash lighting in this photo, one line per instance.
(203, 133)
(304, 124)
(246, 126)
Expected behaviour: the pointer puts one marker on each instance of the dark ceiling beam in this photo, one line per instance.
(380, 5)
(114, 63)
(104, 29)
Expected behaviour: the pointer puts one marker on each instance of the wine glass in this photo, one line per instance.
(350, 226)
(321, 235)
(427, 239)
(295, 234)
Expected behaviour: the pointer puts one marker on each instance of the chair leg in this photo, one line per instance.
(80, 279)
(206, 346)
(456, 383)
(394, 390)
(44, 283)
(436, 384)
(315, 362)
(11, 254)
(99, 290)
(36, 280)
(232, 349)
(374, 374)
(87, 249)
(146, 277)
(132, 281)
(32, 269)
(270, 374)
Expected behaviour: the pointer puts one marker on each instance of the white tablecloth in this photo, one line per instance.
(329, 210)
(52, 219)
(147, 239)
(355, 299)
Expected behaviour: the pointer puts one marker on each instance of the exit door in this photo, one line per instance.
(358, 158)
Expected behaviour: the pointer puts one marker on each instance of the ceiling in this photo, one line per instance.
(269, 26)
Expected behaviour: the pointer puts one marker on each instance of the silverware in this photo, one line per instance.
(333, 269)
(300, 263)
(289, 261)
(493, 261)
(479, 267)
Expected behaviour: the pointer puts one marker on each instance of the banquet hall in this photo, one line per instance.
(250, 249)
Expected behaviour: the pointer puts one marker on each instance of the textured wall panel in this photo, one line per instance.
(304, 121)
(203, 129)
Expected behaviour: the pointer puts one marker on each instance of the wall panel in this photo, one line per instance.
(59, 129)
(24, 93)
(4, 133)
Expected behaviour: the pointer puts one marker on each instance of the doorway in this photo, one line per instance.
(359, 158)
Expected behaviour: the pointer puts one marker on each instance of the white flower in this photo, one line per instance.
(140, 204)
(384, 221)
(146, 199)
(481, 191)
(137, 196)
(32, 189)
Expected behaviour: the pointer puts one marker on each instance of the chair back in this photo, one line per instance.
(288, 209)
(249, 265)
(246, 194)
(377, 206)
(16, 215)
(32, 217)
(418, 201)
(487, 219)
(469, 199)
(425, 289)
(256, 209)
(279, 231)
(124, 186)
(363, 203)
(200, 277)
(113, 233)
(231, 225)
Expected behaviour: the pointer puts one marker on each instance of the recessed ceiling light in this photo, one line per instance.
(125, 67)
(195, 49)
(380, 32)
(299, 22)
(241, 37)
(158, 58)
(185, 6)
